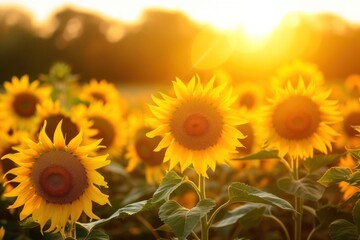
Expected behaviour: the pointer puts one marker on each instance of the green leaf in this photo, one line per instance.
(355, 153)
(240, 192)
(329, 213)
(319, 161)
(248, 214)
(356, 215)
(342, 229)
(305, 188)
(123, 212)
(170, 183)
(181, 220)
(354, 179)
(335, 175)
(263, 154)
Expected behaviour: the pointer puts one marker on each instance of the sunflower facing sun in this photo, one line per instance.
(298, 120)
(57, 181)
(19, 101)
(198, 125)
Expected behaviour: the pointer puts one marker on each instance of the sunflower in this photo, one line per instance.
(250, 96)
(352, 84)
(18, 103)
(140, 149)
(349, 136)
(57, 181)
(298, 120)
(108, 123)
(102, 91)
(72, 121)
(291, 72)
(9, 139)
(198, 125)
(251, 143)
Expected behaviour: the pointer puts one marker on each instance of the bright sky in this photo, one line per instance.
(208, 11)
(256, 17)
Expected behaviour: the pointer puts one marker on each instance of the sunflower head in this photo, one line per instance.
(349, 137)
(20, 100)
(56, 181)
(73, 120)
(250, 96)
(197, 126)
(298, 120)
(295, 69)
(140, 149)
(102, 91)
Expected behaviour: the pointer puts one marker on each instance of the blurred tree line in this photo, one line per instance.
(158, 47)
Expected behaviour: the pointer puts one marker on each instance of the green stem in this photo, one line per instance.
(148, 226)
(204, 226)
(216, 212)
(194, 235)
(298, 203)
(287, 235)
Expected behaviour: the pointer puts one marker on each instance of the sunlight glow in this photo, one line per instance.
(257, 18)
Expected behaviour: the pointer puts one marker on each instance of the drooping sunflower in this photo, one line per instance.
(298, 120)
(308, 71)
(57, 181)
(73, 120)
(198, 125)
(19, 101)
(104, 92)
(108, 124)
(351, 117)
(140, 149)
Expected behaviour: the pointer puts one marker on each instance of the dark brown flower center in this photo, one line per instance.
(196, 125)
(68, 127)
(24, 104)
(98, 96)
(298, 117)
(59, 177)
(145, 148)
(353, 119)
(247, 100)
(105, 130)
(248, 142)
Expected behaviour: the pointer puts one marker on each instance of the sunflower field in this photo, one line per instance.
(171, 128)
(199, 159)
